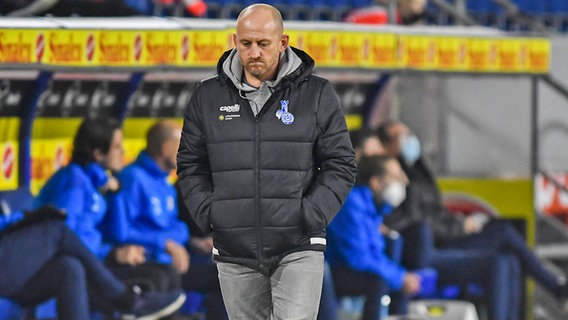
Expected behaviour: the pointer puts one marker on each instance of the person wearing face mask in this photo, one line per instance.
(356, 249)
(423, 215)
(424, 200)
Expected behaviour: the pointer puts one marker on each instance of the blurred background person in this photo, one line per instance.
(145, 212)
(79, 188)
(424, 208)
(356, 249)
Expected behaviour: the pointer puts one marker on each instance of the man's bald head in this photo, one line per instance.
(261, 12)
(159, 134)
(163, 142)
(259, 41)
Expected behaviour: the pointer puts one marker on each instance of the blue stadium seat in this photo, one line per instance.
(10, 310)
(532, 7)
(481, 10)
(361, 3)
(224, 9)
(332, 10)
(558, 10)
(20, 199)
(341, 8)
(321, 10)
(558, 6)
(479, 6)
(46, 310)
(292, 9)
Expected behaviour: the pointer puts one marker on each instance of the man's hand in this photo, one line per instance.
(411, 283)
(179, 255)
(112, 185)
(203, 245)
(130, 254)
(472, 224)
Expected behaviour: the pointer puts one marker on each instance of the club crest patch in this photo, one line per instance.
(286, 117)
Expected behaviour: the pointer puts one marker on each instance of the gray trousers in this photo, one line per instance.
(291, 293)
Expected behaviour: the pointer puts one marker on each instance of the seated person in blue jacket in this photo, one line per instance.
(465, 237)
(365, 143)
(78, 187)
(356, 248)
(43, 259)
(145, 212)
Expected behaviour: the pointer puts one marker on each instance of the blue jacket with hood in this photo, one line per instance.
(74, 188)
(354, 240)
(145, 210)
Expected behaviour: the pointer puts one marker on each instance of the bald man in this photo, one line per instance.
(265, 163)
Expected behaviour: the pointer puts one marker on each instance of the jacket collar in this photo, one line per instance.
(150, 165)
(382, 209)
(96, 173)
(295, 65)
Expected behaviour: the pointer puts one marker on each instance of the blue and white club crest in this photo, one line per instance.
(283, 114)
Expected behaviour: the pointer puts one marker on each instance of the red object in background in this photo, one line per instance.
(8, 162)
(196, 8)
(40, 47)
(369, 15)
(550, 198)
(465, 204)
(137, 47)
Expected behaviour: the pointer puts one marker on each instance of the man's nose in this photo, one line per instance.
(254, 51)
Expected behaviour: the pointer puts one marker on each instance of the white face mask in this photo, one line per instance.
(410, 149)
(394, 194)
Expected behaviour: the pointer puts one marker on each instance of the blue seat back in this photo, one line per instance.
(10, 310)
(20, 199)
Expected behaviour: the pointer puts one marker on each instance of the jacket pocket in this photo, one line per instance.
(314, 220)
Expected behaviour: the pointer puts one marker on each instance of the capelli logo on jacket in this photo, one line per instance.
(231, 112)
(232, 108)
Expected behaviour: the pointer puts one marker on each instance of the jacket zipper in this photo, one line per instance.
(257, 190)
(258, 215)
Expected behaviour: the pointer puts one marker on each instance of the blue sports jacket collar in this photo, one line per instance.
(144, 160)
(383, 209)
(96, 173)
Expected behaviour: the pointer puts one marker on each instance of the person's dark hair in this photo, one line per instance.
(370, 166)
(93, 134)
(359, 136)
(383, 131)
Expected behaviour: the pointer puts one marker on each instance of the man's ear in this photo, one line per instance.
(285, 41)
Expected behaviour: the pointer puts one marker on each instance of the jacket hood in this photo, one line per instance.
(294, 65)
(96, 173)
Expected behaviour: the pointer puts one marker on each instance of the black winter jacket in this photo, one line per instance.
(265, 188)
